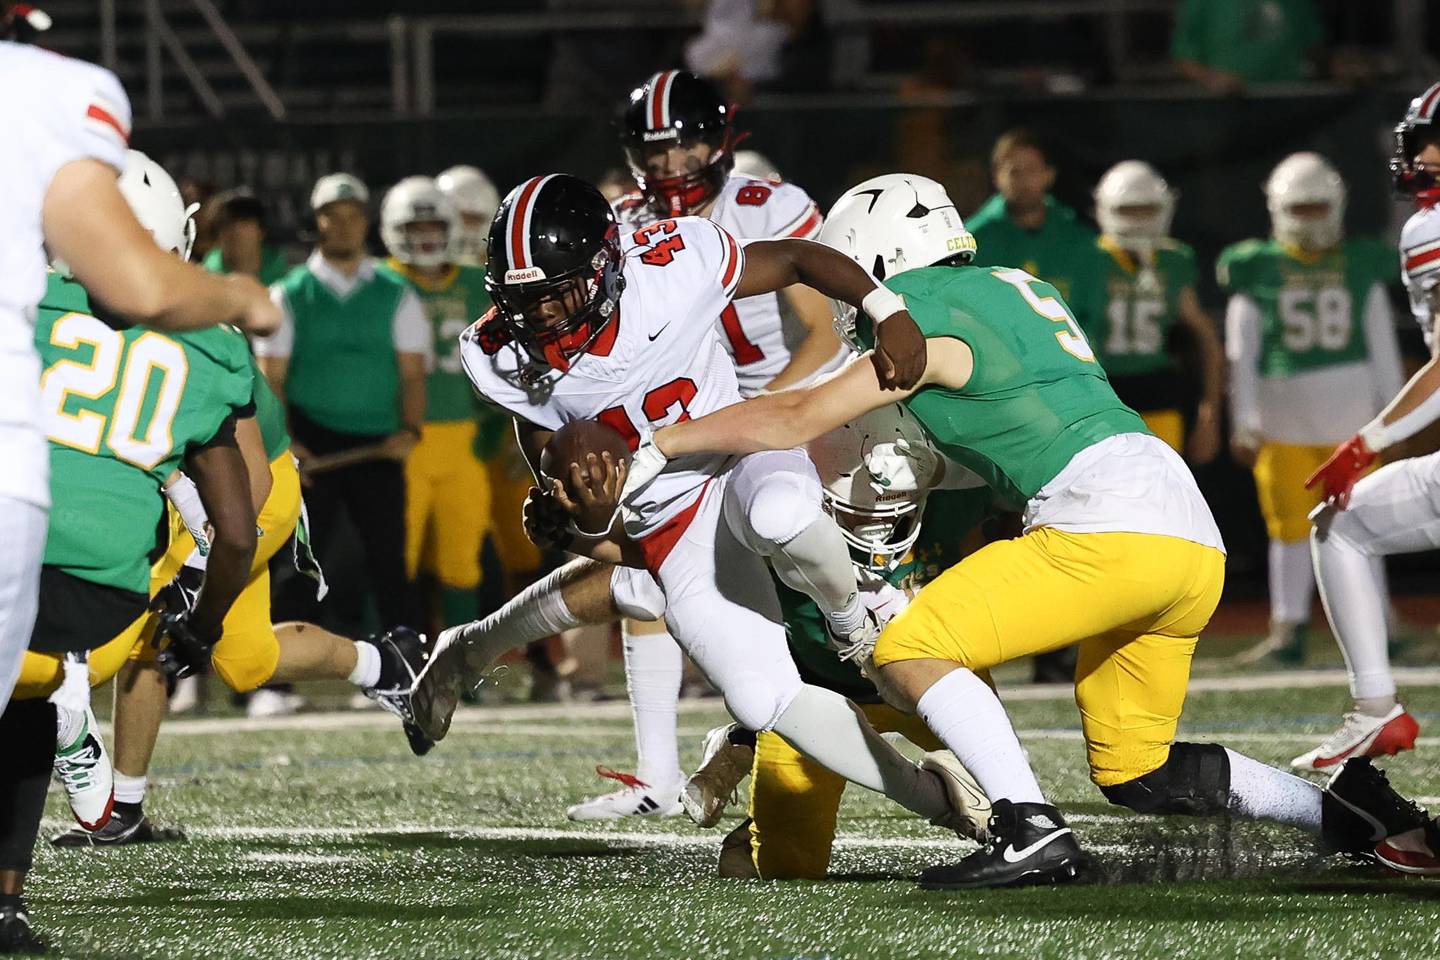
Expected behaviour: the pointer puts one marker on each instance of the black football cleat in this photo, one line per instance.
(1359, 809)
(16, 934)
(1029, 845)
(127, 825)
(403, 655)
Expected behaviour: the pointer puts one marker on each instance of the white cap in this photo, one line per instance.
(338, 186)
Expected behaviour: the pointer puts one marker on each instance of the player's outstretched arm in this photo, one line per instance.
(771, 265)
(89, 225)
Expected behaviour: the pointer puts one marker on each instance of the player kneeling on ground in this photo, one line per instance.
(1118, 542)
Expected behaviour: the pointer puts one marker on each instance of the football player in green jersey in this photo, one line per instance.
(1148, 291)
(1120, 554)
(1310, 336)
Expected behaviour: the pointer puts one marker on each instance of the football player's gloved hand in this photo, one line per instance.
(180, 593)
(546, 522)
(1339, 473)
(645, 465)
(901, 466)
(186, 646)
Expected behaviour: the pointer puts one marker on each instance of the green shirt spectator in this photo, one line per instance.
(240, 245)
(273, 266)
(1228, 45)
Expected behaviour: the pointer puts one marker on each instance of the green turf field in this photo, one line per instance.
(321, 836)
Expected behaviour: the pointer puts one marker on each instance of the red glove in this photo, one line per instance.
(1340, 472)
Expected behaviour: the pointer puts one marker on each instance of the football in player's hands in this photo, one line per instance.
(587, 459)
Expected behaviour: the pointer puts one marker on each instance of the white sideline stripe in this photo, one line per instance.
(480, 718)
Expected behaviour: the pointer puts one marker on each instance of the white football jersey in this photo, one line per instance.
(660, 360)
(1420, 266)
(55, 110)
(754, 332)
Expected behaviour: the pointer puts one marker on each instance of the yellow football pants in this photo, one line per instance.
(1281, 470)
(41, 673)
(1135, 604)
(1168, 425)
(794, 801)
(248, 651)
(510, 483)
(447, 498)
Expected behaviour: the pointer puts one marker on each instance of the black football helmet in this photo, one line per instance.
(1410, 137)
(672, 108)
(555, 241)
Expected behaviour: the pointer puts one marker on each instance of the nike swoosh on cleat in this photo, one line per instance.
(1011, 855)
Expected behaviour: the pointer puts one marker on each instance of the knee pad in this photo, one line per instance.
(636, 594)
(757, 701)
(248, 664)
(1194, 780)
(781, 506)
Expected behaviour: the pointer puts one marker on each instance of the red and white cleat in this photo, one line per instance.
(637, 799)
(1362, 736)
(1415, 852)
(83, 769)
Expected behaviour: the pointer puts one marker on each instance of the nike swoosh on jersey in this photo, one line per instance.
(658, 332)
(1012, 855)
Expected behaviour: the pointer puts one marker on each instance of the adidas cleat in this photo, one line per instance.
(1360, 809)
(1362, 736)
(128, 825)
(1029, 845)
(726, 759)
(637, 799)
(83, 769)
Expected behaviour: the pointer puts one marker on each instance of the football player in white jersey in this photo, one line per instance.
(678, 140)
(1396, 509)
(590, 325)
(65, 149)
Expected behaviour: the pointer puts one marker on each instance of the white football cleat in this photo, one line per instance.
(1362, 736)
(84, 771)
(186, 696)
(712, 787)
(969, 813)
(638, 799)
(273, 703)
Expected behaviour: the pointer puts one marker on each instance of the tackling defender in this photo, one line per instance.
(1118, 542)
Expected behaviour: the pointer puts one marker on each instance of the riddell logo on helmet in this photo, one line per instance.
(669, 133)
(524, 276)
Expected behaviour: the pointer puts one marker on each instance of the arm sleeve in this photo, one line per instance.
(412, 329)
(731, 262)
(1242, 350)
(1385, 367)
(790, 213)
(280, 344)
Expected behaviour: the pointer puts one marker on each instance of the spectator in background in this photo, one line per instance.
(240, 247)
(1227, 46)
(197, 192)
(742, 42)
(1024, 226)
(349, 361)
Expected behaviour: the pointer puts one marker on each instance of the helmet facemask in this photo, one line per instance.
(587, 299)
(423, 243)
(1410, 178)
(679, 194)
(880, 535)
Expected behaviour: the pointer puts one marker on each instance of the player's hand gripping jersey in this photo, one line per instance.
(749, 209)
(122, 408)
(1312, 344)
(658, 361)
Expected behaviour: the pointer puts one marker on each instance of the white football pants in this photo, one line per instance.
(22, 533)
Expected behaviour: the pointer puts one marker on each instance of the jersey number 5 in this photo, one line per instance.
(656, 406)
(151, 355)
(1072, 338)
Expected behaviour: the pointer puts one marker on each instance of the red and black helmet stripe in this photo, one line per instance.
(521, 256)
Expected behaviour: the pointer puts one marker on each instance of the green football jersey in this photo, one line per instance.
(1311, 311)
(1037, 395)
(1061, 252)
(452, 305)
(949, 517)
(123, 407)
(1141, 306)
(269, 415)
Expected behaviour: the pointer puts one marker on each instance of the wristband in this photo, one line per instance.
(587, 535)
(881, 303)
(1375, 435)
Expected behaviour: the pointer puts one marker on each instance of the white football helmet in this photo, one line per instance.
(1305, 178)
(418, 200)
(475, 196)
(1128, 184)
(880, 527)
(157, 204)
(890, 224)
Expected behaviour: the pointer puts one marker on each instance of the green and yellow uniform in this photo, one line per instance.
(272, 264)
(1131, 330)
(1061, 252)
(1318, 372)
(793, 800)
(1120, 556)
(124, 407)
(448, 477)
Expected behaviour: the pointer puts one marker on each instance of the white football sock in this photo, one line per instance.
(1350, 592)
(71, 700)
(654, 667)
(816, 563)
(129, 789)
(969, 719)
(537, 612)
(830, 730)
(367, 665)
(1262, 792)
(1292, 581)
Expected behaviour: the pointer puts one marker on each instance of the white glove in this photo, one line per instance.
(646, 463)
(881, 597)
(901, 467)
